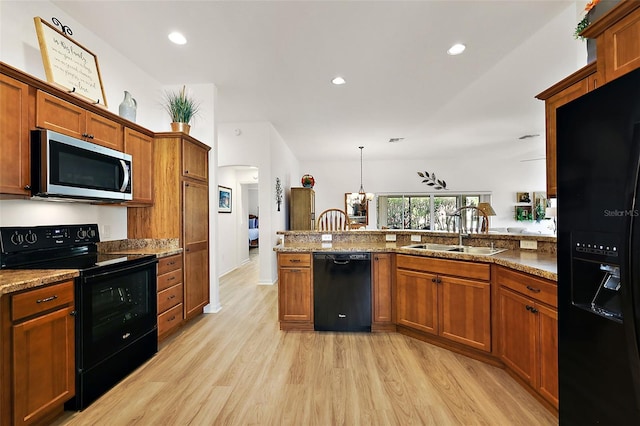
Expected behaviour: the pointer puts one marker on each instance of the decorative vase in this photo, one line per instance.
(308, 181)
(180, 127)
(128, 107)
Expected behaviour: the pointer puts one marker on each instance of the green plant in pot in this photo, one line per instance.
(182, 108)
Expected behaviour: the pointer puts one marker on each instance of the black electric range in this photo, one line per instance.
(115, 300)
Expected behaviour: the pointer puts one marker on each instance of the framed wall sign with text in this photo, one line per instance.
(68, 64)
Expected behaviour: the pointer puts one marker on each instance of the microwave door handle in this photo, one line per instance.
(125, 181)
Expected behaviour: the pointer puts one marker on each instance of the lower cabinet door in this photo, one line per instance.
(43, 365)
(416, 298)
(296, 298)
(465, 311)
(517, 338)
(547, 383)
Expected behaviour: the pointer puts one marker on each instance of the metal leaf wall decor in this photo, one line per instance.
(431, 180)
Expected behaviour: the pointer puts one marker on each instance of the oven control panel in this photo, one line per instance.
(15, 239)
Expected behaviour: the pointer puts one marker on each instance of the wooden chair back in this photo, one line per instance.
(333, 220)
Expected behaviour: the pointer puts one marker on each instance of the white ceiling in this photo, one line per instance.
(273, 61)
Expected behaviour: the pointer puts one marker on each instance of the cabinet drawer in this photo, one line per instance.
(294, 259)
(169, 279)
(169, 297)
(478, 271)
(170, 263)
(41, 299)
(536, 288)
(169, 319)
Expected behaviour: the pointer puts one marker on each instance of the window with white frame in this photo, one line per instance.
(423, 211)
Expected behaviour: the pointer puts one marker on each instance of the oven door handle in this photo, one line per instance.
(125, 269)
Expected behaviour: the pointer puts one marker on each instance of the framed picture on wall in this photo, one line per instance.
(224, 199)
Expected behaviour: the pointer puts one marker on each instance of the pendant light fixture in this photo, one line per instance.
(362, 196)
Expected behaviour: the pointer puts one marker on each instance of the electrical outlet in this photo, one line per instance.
(106, 231)
(390, 237)
(326, 237)
(415, 238)
(528, 244)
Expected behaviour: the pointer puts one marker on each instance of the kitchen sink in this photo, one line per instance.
(487, 251)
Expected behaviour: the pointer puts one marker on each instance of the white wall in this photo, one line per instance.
(256, 144)
(19, 49)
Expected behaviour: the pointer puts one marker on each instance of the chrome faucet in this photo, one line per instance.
(461, 227)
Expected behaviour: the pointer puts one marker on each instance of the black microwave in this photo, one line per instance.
(70, 168)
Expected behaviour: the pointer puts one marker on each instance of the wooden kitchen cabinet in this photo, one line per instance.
(302, 209)
(295, 291)
(64, 117)
(528, 330)
(447, 298)
(617, 35)
(140, 147)
(562, 93)
(170, 295)
(15, 123)
(382, 294)
(42, 366)
(196, 246)
(180, 210)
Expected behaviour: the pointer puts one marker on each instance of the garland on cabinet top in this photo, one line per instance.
(431, 180)
(585, 22)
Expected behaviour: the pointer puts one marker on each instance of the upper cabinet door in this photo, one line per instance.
(195, 161)
(14, 137)
(140, 147)
(622, 41)
(104, 132)
(60, 116)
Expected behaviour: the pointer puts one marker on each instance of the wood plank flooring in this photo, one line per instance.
(237, 368)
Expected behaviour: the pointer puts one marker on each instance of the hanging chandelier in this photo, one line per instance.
(361, 195)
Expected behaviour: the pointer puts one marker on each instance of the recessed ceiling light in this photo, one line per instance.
(338, 81)
(395, 140)
(177, 38)
(456, 49)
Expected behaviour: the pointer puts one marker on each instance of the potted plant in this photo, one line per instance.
(182, 108)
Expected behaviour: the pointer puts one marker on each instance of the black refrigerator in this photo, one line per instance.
(598, 155)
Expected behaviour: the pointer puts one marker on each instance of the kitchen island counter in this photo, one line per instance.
(540, 264)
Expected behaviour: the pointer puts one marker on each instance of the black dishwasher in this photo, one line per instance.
(342, 291)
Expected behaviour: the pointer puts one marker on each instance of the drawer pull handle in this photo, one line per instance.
(47, 299)
(533, 289)
(173, 296)
(171, 278)
(296, 270)
(171, 263)
(294, 260)
(172, 318)
(532, 309)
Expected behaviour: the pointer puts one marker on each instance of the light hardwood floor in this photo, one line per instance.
(237, 368)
